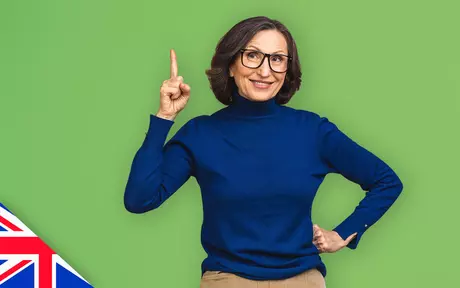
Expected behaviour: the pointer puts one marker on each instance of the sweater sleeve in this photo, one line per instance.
(344, 156)
(158, 170)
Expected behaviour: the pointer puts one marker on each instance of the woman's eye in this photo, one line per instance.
(252, 55)
(277, 58)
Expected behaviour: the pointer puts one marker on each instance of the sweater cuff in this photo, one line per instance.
(158, 131)
(351, 225)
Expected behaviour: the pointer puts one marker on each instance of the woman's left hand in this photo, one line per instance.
(329, 241)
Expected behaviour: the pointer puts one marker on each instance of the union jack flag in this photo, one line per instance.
(27, 262)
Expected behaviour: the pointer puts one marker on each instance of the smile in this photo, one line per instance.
(261, 84)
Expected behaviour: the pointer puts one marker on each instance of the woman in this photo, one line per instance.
(259, 165)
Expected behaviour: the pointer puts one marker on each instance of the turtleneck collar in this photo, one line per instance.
(241, 106)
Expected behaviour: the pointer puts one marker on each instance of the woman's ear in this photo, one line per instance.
(230, 70)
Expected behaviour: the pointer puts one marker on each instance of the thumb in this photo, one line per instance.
(348, 240)
(185, 89)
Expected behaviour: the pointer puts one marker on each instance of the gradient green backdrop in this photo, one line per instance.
(78, 80)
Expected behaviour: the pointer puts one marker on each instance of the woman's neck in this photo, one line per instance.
(245, 107)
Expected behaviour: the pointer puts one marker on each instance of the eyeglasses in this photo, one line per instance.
(253, 59)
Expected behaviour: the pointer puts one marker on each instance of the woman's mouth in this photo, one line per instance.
(261, 85)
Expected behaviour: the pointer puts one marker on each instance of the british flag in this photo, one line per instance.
(27, 262)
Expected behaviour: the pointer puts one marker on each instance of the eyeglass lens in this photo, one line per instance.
(252, 59)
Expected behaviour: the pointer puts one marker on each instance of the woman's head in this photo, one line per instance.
(237, 62)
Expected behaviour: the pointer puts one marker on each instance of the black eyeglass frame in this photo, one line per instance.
(263, 59)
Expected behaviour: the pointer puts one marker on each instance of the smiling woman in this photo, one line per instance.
(259, 57)
(261, 84)
(259, 165)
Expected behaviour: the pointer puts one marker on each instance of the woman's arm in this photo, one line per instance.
(342, 155)
(158, 171)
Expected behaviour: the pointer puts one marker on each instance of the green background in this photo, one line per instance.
(78, 80)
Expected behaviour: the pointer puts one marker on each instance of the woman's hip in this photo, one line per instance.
(216, 279)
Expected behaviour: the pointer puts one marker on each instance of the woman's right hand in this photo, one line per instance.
(174, 93)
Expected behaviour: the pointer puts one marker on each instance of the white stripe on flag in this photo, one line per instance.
(10, 263)
(14, 220)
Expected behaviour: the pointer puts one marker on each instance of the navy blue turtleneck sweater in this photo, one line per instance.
(259, 166)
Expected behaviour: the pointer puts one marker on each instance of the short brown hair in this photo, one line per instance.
(229, 47)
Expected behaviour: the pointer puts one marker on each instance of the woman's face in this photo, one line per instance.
(267, 41)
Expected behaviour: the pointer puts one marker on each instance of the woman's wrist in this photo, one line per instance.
(166, 116)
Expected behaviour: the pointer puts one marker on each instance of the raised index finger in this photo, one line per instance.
(173, 63)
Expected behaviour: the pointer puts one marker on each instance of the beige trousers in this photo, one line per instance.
(216, 279)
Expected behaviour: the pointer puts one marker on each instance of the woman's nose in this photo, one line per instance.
(264, 69)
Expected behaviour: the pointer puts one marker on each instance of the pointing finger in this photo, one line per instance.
(173, 63)
(176, 82)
